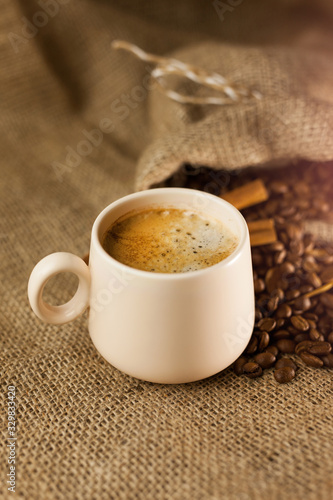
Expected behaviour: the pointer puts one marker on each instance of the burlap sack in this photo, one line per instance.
(85, 430)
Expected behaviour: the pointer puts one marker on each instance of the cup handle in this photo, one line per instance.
(48, 267)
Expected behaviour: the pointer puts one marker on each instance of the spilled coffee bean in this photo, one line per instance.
(286, 346)
(305, 345)
(328, 360)
(284, 374)
(311, 360)
(283, 362)
(239, 365)
(290, 317)
(252, 346)
(284, 311)
(263, 341)
(320, 349)
(265, 359)
(267, 324)
(299, 323)
(252, 370)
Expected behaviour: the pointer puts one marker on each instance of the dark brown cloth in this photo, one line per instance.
(80, 128)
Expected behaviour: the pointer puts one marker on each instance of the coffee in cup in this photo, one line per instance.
(168, 240)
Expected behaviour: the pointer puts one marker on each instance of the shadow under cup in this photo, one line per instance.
(177, 327)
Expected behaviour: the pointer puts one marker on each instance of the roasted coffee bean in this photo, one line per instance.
(277, 246)
(314, 279)
(320, 349)
(267, 324)
(273, 349)
(239, 364)
(328, 360)
(252, 345)
(263, 341)
(280, 256)
(310, 264)
(252, 370)
(279, 293)
(284, 375)
(311, 360)
(259, 285)
(271, 207)
(304, 346)
(301, 304)
(293, 331)
(314, 334)
(276, 279)
(257, 259)
(269, 260)
(294, 232)
(325, 324)
(327, 260)
(330, 337)
(327, 300)
(279, 187)
(258, 315)
(281, 363)
(297, 249)
(272, 279)
(281, 334)
(279, 221)
(312, 324)
(286, 346)
(272, 304)
(321, 205)
(302, 203)
(308, 242)
(292, 294)
(280, 323)
(287, 268)
(304, 289)
(310, 315)
(320, 309)
(301, 188)
(283, 311)
(299, 323)
(327, 274)
(265, 359)
(301, 337)
(287, 211)
(297, 217)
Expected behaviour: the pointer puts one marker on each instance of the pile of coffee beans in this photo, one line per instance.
(293, 277)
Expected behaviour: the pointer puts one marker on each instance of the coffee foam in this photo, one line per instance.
(169, 240)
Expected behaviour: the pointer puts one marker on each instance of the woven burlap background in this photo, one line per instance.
(84, 429)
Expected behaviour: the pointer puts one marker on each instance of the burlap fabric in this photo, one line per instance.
(85, 430)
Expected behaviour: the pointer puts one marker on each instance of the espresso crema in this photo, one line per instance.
(168, 240)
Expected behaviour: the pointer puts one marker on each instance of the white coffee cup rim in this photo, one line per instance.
(167, 276)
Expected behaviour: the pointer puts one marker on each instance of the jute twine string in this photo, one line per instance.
(170, 66)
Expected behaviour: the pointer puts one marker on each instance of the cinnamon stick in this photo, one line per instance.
(245, 196)
(260, 225)
(262, 232)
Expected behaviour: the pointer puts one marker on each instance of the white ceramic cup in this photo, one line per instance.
(166, 328)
